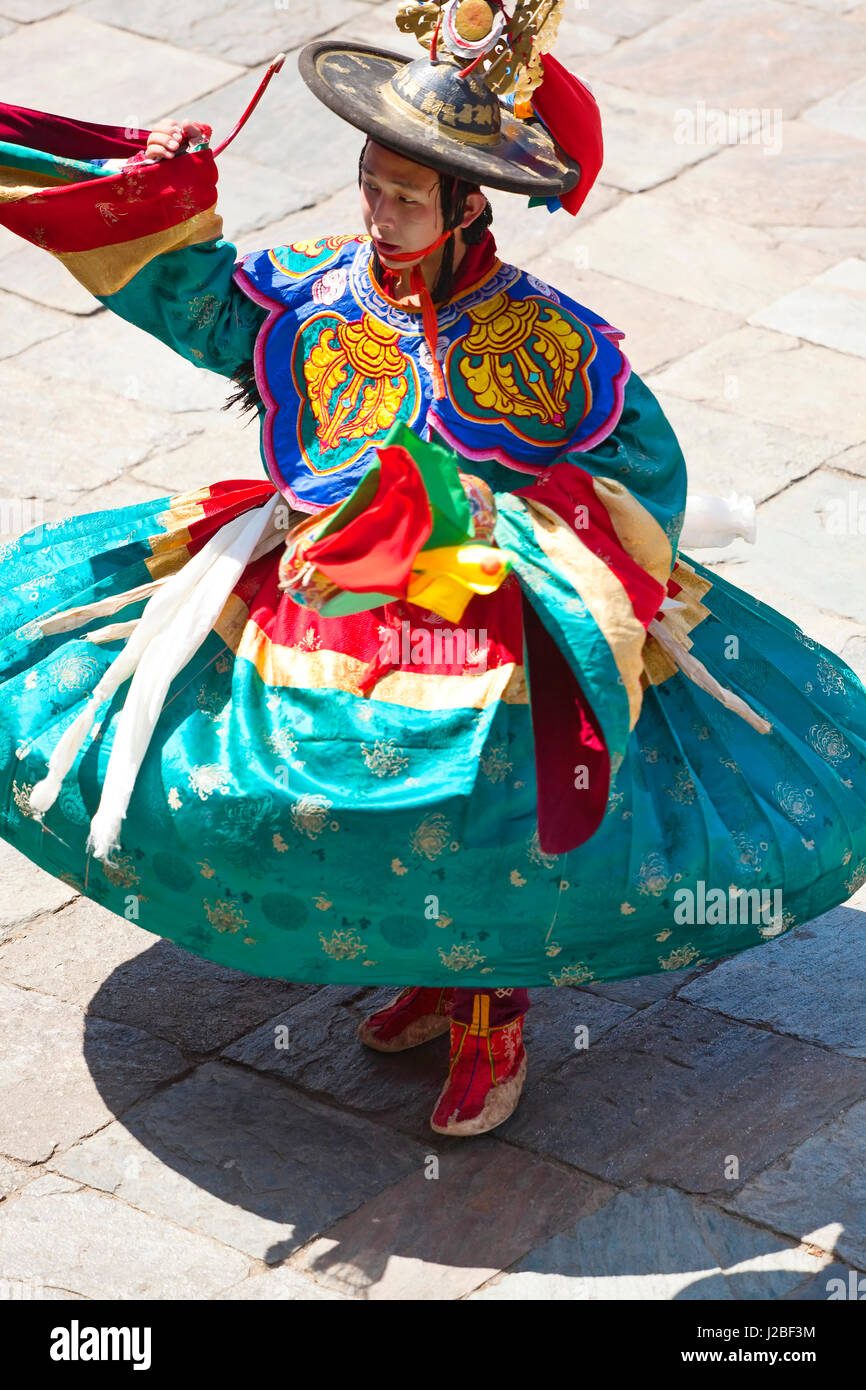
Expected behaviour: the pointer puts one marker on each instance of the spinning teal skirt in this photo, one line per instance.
(288, 825)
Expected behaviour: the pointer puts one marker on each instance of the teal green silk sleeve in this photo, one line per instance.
(188, 299)
(644, 454)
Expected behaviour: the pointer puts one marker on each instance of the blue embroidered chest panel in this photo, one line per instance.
(529, 372)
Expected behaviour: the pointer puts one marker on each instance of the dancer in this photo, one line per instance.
(438, 703)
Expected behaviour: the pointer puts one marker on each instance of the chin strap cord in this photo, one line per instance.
(430, 318)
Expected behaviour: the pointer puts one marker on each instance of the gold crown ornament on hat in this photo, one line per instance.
(445, 110)
(509, 47)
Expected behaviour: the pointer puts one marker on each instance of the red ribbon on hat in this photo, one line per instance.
(566, 106)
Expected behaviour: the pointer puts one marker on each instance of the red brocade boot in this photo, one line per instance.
(485, 1076)
(415, 1016)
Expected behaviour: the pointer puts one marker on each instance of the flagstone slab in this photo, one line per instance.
(226, 447)
(37, 277)
(641, 148)
(800, 176)
(124, 491)
(375, 23)
(283, 1285)
(656, 1244)
(29, 515)
(809, 983)
(65, 1075)
(727, 453)
(732, 53)
(852, 460)
(576, 41)
(323, 156)
(26, 323)
(820, 519)
(235, 32)
(817, 1192)
(836, 243)
(28, 11)
(841, 7)
(835, 1282)
(727, 1091)
(28, 891)
(107, 354)
(652, 241)
(446, 1228)
(210, 457)
(314, 1045)
(776, 378)
(15, 1175)
(629, 17)
(117, 78)
(251, 195)
(843, 112)
(86, 440)
(338, 214)
(235, 1155)
(94, 1246)
(642, 990)
(561, 1022)
(89, 956)
(830, 311)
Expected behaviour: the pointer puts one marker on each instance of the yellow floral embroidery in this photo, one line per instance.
(677, 960)
(225, 916)
(829, 743)
(357, 379)
(121, 872)
(461, 957)
(76, 672)
(212, 778)
(310, 814)
(383, 759)
(431, 836)
(652, 876)
(536, 854)
(683, 790)
(495, 764)
(573, 975)
(497, 348)
(343, 945)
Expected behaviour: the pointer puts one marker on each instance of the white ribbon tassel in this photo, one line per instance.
(169, 632)
(717, 521)
(697, 671)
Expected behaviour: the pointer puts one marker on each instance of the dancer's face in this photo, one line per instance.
(400, 204)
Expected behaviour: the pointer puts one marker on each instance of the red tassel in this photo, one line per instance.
(570, 112)
(431, 329)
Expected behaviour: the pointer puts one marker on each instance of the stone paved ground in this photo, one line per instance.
(154, 1142)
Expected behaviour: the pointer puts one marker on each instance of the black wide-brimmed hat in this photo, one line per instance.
(437, 113)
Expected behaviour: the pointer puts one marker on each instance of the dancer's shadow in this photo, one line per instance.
(248, 1111)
